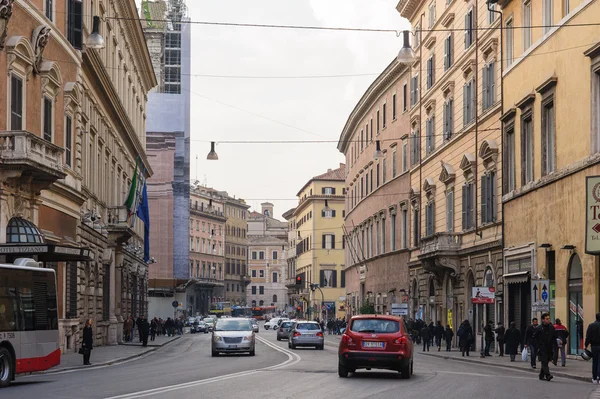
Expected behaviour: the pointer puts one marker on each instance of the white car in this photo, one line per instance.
(275, 322)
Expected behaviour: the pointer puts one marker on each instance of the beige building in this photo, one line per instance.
(320, 244)
(292, 288)
(72, 126)
(377, 216)
(551, 140)
(236, 250)
(455, 171)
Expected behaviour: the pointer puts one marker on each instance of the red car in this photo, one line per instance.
(376, 341)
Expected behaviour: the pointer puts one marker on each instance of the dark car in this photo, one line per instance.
(376, 342)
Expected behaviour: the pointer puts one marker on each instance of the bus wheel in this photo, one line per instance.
(6, 365)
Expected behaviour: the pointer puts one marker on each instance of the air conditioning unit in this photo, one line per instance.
(27, 262)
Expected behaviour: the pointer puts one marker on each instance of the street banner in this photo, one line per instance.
(483, 295)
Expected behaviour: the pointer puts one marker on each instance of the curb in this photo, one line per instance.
(109, 363)
(150, 345)
(507, 366)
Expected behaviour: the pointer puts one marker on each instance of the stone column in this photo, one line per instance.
(116, 293)
(113, 322)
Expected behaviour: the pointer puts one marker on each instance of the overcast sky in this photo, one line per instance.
(299, 109)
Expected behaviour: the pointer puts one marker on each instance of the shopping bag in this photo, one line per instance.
(524, 355)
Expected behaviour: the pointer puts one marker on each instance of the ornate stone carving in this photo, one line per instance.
(39, 40)
(5, 14)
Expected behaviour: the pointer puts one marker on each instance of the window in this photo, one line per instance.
(416, 227)
(328, 214)
(510, 42)
(394, 163)
(548, 137)
(430, 135)
(253, 290)
(362, 140)
(274, 277)
(526, 25)
(68, 140)
(430, 219)
(378, 120)
(261, 290)
(404, 157)
(430, 72)
(377, 173)
(450, 211)
(468, 199)
(393, 231)
(254, 255)
(328, 241)
(275, 254)
(510, 160)
(469, 29)
(566, 7)
(261, 274)
(488, 197)
(16, 103)
(404, 97)
(384, 170)
(526, 149)
(274, 298)
(328, 190)
(394, 106)
(75, 23)
(547, 17)
(404, 222)
(71, 290)
(384, 115)
(415, 148)
(468, 102)
(261, 255)
(371, 124)
(448, 48)
(491, 13)
(431, 14)
(371, 173)
(49, 9)
(383, 236)
(377, 249)
(417, 35)
(414, 90)
(489, 86)
(448, 118)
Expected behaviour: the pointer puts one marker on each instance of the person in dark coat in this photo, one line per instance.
(530, 342)
(88, 342)
(465, 337)
(512, 337)
(561, 342)
(489, 337)
(544, 337)
(500, 330)
(431, 333)
(438, 332)
(425, 337)
(144, 331)
(449, 334)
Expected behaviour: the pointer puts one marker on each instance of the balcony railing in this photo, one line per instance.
(440, 243)
(118, 225)
(211, 210)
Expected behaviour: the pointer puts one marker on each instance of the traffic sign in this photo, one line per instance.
(540, 296)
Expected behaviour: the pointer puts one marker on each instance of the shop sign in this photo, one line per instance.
(592, 213)
(483, 295)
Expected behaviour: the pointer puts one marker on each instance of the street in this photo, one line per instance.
(185, 368)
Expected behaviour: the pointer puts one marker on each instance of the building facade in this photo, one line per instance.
(236, 250)
(320, 244)
(168, 147)
(551, 144)
(455, 171)
(72, 133)
(292, 289)
(206, 286)
(377, 219)
(267, 264)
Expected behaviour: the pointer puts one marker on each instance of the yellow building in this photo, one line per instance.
(551, 140)
(319, 218)
(454, 108)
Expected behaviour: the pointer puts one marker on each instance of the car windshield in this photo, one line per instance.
(208, 320)
(307, 326)
(233, 325)
(380, 326)
(286, 324)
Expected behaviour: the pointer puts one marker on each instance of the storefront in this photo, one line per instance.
(575, 294)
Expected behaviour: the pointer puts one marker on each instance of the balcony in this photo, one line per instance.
(25, 155)
(118, 227)
(439, 254)
(207, 211)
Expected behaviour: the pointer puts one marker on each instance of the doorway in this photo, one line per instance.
(575, 305)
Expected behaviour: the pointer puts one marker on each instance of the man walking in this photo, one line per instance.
(592, 337)
(561, 341)
(425, 337)
(500, 331)
(529, 341)
(544, 337)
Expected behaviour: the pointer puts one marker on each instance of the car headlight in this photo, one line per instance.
(217, 338)
(249, 338)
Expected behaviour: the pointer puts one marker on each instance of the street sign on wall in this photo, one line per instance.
(399, 309)
(592, 215)
(540, 296)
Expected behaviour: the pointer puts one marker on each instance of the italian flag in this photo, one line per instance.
(131, 197)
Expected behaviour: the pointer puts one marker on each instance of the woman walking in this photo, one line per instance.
(88, 342)
(512, 338)
(465, 337)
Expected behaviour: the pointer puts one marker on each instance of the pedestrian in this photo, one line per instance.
(513, 340)
(449, 334)
(425, 337)
(561, 342)
(592, 337)
(465, 337)
(438, 332)
(529, 341)
(127, 326)
(87, 343)
(500, 330)
(144, 331)
(544, 337)
(489, 337)
(153, 328)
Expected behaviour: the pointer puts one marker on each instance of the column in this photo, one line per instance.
(116, 293)
(113, 322)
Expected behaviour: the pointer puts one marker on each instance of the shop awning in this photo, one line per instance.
(47, 252)
(516, 277)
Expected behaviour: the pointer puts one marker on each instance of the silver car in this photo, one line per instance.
(306, 333)
(283, 332)
(233, 335)
(254, 323)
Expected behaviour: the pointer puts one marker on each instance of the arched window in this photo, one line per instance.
(21, 231)
(275, 298)
(488, 279)
(261, 303)
(254, 303)
(431, 288)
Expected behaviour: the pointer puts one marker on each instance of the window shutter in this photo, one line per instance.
(464, 207)
(332, 241)
(450, 49)
(333, 213)
(492, 195)
(484, 88)
(76, 16)
(451, 211)
(342, 278)
(465, 104)
(484, 199)
(432, 134)
(466, 29)
(450, 118)
(323, 188)
(333, 191)
(492, 84)
(472, 103)
(322, 282)
(333, 279)
(323, 242)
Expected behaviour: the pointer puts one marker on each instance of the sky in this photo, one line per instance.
(296, 109)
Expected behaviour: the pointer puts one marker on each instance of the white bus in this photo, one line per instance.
(28, 319)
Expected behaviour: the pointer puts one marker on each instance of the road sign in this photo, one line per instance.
(399, 309)
(540, 297)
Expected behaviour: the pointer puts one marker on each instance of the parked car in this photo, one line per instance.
(306, 333)
(283, 332)
(233, 335)
(376, 341)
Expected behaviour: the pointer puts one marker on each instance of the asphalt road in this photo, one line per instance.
(185, 370)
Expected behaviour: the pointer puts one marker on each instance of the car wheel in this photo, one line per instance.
(292, 345)
(405, 371)
(342, 371)
(278, 339)
(214, 353)
(289, 345)
(321, 347)
(6, 367)
(252, 352)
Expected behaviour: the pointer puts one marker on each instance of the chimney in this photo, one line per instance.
(328, 170)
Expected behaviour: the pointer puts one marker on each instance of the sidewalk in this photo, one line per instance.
(107, 355)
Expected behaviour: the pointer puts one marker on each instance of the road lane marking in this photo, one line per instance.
(292, 359)
(484, 375)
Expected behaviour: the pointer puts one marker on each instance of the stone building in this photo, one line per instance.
(236, 250)
(377, 219)
(293, 297)
(455, 172)
(74, 131)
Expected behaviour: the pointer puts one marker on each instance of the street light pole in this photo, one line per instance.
(313, 287)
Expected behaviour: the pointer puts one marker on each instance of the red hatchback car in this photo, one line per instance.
(376, 341)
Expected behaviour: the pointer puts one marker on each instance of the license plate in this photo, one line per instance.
(369, 344)
(309, 335)
(233, 346)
